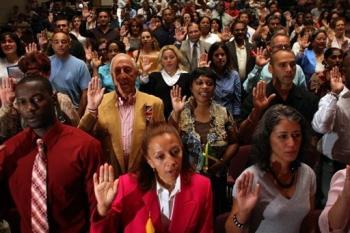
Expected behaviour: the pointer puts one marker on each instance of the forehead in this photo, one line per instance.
(103, 14)
(283, 56)
(145, 33)
(286, 125)
(239, 25)
(62, 22)
(60, 36)
(28, 89)
(168, 52)
(203, 78)
(193, 27)
(280, 40)
(123, 61)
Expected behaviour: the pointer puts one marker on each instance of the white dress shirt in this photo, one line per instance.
(167, 199)
(333, 120)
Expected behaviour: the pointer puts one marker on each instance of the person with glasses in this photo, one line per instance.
(261, 71)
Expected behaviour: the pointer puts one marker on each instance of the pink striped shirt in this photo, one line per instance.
(126, 112)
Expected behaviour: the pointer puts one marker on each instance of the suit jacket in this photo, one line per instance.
(192, 211)
(250, 59)
(107, 128)
(187, 51)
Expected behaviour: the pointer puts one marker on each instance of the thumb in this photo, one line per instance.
(271, 97)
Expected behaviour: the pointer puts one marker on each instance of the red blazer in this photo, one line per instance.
(131, 208)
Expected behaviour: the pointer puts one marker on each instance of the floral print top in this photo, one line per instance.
(218, 138)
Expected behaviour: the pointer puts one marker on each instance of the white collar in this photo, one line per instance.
(171, 80)
(177, 188)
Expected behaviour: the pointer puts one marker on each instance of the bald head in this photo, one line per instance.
(124, 73)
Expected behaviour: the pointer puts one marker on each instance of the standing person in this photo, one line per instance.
(163, 194)
(147, 55)
(102, 30)
(119, 118)
(166, 32)
(193, 47)
(11, 49)
(339, 41)
(173, 72)
(76, 22)
(241, 50)
(69, 74)
(277, 193)
(48, 167)
(228, 85)
(206, 34)
(208, 132)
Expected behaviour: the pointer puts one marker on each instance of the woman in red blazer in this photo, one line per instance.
(163, 195)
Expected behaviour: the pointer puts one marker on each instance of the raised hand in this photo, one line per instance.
(260, 58)
(85, 13)
(105, 188)
(260, 101)
(7, 92)
(226, 34)
(304, 41)
(203, 60)
(146, 64)
(123, 31)
(180, 34)
(96, 60)
(336, 81)
(94, 94)
(177, 101)
(88, 53)
(31, 47)
(42, 40)
(247, 194)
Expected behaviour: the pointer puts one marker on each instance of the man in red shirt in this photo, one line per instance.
(70, 159)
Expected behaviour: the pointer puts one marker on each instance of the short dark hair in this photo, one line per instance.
(120, 44)
(19, 44)
(61, 17)
(273, 54)
(203, 71)
(261, 148)
(43, 81)
(145, 174)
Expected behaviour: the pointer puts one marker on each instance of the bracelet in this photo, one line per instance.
(237, 223)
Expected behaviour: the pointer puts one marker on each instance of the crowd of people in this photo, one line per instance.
(130, 118)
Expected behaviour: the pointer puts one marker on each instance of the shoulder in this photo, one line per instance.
(148, 98)
(306, 170)
(199, 182)
(107, 98)
(129, 180)
(76, 61)
(79, 136)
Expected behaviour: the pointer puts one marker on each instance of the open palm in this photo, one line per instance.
(260, 100)
(177, 101)
(95, 93)
(105, 188)
(247, 193)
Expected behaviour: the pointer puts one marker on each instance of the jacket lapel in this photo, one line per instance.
(183, 209)
(113, 120)
(151, 203)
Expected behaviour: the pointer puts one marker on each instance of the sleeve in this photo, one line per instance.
(87, 122)
(236, 94)
(83, 31)
(323, 120)
(110, 222)
(301, 78)
(207, 219)
(9, 122)
(336, 187)
(252, 78)
(92, 158)
(84, 77)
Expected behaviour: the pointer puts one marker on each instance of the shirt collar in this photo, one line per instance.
(177, 188)
(125, 101)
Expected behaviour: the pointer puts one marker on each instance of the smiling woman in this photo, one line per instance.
(11, 49)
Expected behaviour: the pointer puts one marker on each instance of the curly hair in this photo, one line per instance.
(20, 45)
(145, 174)
(261, 146)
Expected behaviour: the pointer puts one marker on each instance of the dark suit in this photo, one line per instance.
(250, 62)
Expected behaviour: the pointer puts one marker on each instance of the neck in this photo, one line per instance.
(42, 131)
(103, 28)
(63, 56)
(318, 51)
(12, 58)
(147, 48)
(171, 72)
(204, 34)
(239, 42)
(339, 36)
(125, 94)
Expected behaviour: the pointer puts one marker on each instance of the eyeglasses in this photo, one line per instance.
(280, 47)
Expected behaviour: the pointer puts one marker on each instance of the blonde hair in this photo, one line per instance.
(182, 63)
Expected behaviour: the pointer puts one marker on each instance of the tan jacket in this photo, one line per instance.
(107, 128)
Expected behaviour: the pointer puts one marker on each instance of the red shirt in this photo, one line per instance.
(73, 157)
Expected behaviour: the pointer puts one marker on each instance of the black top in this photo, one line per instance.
(157, 87)
(299, 98)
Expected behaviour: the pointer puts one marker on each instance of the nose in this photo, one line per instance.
(170, 161)
(290, 142)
